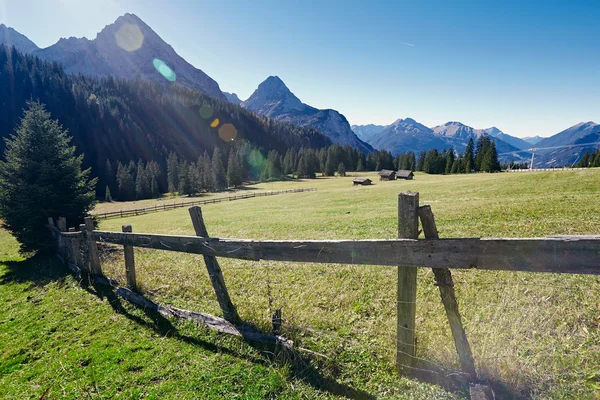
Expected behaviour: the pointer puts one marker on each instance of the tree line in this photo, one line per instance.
(589, 160)
(482, 157)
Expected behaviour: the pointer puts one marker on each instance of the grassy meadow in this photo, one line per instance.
(533, 335)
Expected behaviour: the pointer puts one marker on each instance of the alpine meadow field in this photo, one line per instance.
(533, 335)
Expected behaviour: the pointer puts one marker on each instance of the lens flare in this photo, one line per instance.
(206, 111)
(129, 37)
(215, 123)
(227, 132)
(164, 69)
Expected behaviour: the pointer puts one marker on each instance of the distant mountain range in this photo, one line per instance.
(408, 135)
(273, 99)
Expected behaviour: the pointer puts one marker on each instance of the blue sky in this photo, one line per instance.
(527, 67)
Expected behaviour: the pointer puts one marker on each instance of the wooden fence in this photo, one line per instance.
(165, 206)
(557, 254)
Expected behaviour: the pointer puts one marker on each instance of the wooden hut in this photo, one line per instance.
(361, 181)
(387, 175)
(405, 174)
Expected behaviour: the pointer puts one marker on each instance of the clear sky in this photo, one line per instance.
(527, 67)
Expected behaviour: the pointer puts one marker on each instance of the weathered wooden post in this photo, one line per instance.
(93, 258)
(129, 262)
(214, 271)
(62, 224)
(443, 278)
(408, 228)
(83, 259)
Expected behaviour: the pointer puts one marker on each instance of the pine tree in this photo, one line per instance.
(107, 196)
(329, 164)
(341, 170)
(126, 183)
(421, 162)
(360, 167)
(449, 161)
(173, 172)
(234, 170)
(41, 178)
(218, 171)
(469, 157)
(142, 186)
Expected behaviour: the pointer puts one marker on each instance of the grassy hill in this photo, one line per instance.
(533, 335)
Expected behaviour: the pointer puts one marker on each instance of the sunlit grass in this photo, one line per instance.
(536, 333)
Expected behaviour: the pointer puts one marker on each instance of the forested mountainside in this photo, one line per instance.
(119, 120)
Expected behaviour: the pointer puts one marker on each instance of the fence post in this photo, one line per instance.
(93, 259)
(129, 262)
(83, 261)
(408, 228)
(214, 271)
(443, 278)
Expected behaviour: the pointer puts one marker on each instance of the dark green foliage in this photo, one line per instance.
(449, 160)
(360, 166)
(329, 164)
(173, 172)
(218, 171)
(118, 120)
(307, 163)
(469, 164)
(107, 195)
(490, 162)
(341, 170)
(234, 170)
(41, 177)
(125, 183)
(421, 162)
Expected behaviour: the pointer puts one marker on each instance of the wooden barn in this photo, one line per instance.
(405, 174)
(387, 175)
(361, 181)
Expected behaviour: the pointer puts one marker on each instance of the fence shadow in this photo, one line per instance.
(301, 366)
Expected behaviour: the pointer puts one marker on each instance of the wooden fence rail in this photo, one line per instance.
(557, 254)
(165, 207)
(563, 254)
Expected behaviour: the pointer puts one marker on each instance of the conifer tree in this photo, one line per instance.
(173, 172)
(469, 157)
(360, 167)
(329, 164)
(234, 170)
(341, 169)
(125, 183)
(41, 177)
(449, 161)
(218, 171)
(107, 196)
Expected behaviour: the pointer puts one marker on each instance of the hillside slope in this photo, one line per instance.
(119, 120)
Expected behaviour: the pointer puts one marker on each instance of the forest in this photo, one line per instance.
(119, 121)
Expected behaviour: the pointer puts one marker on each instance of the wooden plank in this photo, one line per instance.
(408, 228)
(214, 270)
(559, 255)
(93, 258)
(129, 262)
(443, 278)
(62, 224)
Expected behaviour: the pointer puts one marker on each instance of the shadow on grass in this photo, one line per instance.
(302, 367)
(41, 270)
(38, 270)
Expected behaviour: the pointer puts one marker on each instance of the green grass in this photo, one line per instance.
(535, 335)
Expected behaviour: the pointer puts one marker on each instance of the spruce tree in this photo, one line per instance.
(172, 172)
(107, 196)
(329, 164)
(449, 161)
(41, 177)
(360, 167)
(234, 170)
(218, 171)
(469, 157)
(125, 183)
(341, 169)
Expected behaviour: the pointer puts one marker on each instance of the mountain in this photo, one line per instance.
(121, 121)
(10, 37)
(533, 139)
(273, 99)
(567, 146)
(512, 140)
(457, 135)
(407, 135)
(232, 98)
(365, 132)
(127, 49)
(571, 135)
